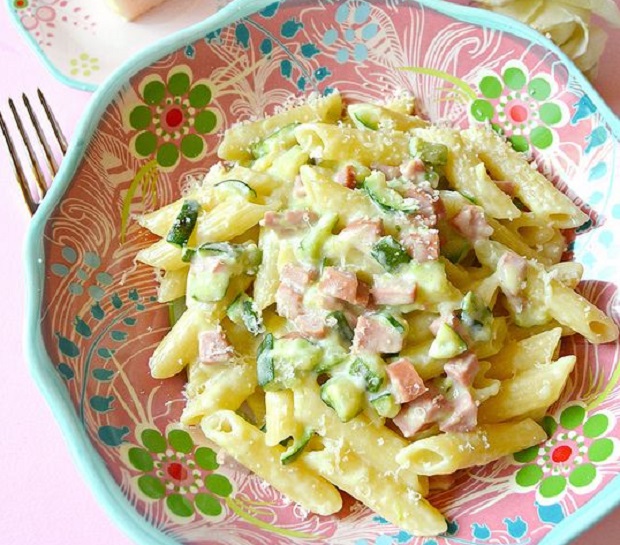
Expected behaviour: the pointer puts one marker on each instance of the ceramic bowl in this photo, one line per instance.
(93, 318)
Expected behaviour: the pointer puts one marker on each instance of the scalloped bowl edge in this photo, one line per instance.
(41, 367)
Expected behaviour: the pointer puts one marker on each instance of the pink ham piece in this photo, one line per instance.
(213, 347)
(374, 334)
(297, 278)
(462, 370)
(311, 324)
(364, 232)
(413, 170)
(471, 223)
(289, 303)
(420, 412)
(422, 245)
(430, 206)
(393, 290)
(339, 284)
(289, 222)
(512, 277)
(463, 414)
(406, 383)
(346, 177)
(362, 297)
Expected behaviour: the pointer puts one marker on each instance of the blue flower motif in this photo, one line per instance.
(351, 40)
(480, 531)
(516, 528)
(552, 514)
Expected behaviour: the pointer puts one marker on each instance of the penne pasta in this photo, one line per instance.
(446, 453)
(246, 444)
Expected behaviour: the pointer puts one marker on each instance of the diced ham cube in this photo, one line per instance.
(372, 334)
(471, 223)
(390, 172)
(422, 245)
(512, 277)
(430, 206)
(512, 273)
(463, 369)
(289, 303)
(406, 383)
(327, 302)
(311, 324)
(420, 412)
(213, 347)
(451, 319)
(463, 413)
(413, 170)
(297, 278)
(338, 283)
(507, 187)
(362, 297)
(363, 232)
(289, 222)
(346, 177)
(393, 290)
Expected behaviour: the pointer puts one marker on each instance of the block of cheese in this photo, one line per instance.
(131, 9)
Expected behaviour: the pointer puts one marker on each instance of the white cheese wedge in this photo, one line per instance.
(131, 9)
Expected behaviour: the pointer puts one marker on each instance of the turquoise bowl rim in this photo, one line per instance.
(41, 367)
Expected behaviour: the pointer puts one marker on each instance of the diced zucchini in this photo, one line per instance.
(208, 283)
(243, 311)
(344, 396)
(175, 309)
(342, 325)
(389, 253)
(310, 248)
(296, 354)
(265, 369)
(364, 118)
(477, 318)
(227, 188)
(400, 325)
(385, 405)
(447, 343)
(432, 154)
(279, 140)
(297, 447)
(184, 224)
(386, 198)
(371, 369)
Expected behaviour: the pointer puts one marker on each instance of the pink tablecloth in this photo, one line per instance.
(45, 501)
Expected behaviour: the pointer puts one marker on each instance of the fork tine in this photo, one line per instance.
(38, 175)
(60, 137)
(19, 171)
(51, 163)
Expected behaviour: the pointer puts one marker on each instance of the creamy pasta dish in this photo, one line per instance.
(372, 303)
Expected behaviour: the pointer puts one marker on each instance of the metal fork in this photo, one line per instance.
(32, 196)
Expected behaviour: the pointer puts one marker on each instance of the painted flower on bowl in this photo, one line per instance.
(520, 105)
(172, 118)
(176, 471)
(33, 13)
(572, 457)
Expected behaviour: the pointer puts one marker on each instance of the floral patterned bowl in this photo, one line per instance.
(94, 321)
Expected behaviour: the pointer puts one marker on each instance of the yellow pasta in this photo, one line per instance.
(365, 306)
(246, 444)
(448, 452)
(534, 389)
